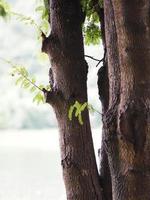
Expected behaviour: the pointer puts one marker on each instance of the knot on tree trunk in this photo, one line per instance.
(53, 97)
(132, 124)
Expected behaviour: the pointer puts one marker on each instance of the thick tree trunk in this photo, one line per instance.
(127, 122)
(69, 73)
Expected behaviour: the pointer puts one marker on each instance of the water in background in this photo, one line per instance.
(30, 165)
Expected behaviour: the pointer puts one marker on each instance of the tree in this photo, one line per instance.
(123, 84)
(127, 119)
(69, 76)
(124, 93)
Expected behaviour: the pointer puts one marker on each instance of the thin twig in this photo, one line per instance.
(10, 63)
(98, 112)
(95, 59)
(99, 62)
(31, 82)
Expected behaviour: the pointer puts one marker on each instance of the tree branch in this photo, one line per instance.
(95, 59)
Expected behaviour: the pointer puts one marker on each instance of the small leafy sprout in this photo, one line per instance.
(27, 82)
(78, 108)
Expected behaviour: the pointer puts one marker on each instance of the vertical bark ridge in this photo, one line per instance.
(110, 117)
(103, 87)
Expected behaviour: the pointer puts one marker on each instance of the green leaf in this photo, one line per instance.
(24, 83)
(92, 34)
(27, 85)
(45, 27)
(91, 29)
(40, 8)
(38, 98)
(71, 109)
(33, 80)
(32, 89)
(80, 119)
(79, 108)
(83, 106)
(19, 80)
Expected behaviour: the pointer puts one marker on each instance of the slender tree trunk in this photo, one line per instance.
(103, 88)
(69, 76)
(127, 122)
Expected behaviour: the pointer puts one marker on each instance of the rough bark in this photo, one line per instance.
(69, 73)
(127, 120)
(103, 88)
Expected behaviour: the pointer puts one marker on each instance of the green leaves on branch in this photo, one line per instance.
(42, 27)
(43, 9)
(25, 19)
(91, 26)
(27, 82)
(77, 108)
(91, 34)
(39, 98)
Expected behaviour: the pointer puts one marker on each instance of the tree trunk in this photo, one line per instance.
(127, 121)
(125, 95)
(69, 76)
(103, 88)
